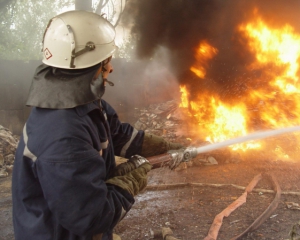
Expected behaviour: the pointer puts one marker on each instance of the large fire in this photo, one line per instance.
(277, 52)
(203, 53)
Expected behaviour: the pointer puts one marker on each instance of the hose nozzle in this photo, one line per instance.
(182, 155)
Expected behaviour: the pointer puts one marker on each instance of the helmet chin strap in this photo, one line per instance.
(109, 82)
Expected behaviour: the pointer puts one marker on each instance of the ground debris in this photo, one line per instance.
(164, 233)
(295, 232)
(8, 145)
(292, 205)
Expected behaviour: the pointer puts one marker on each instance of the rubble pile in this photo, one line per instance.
(162, 119)
(8, 145)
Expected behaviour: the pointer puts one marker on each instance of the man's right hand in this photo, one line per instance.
(134, 162)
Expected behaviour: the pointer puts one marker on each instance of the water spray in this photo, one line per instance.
(174, 157)
(249, 137)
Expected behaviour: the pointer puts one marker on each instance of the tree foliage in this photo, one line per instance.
(3, 3)
(127, 49)
(22, 25)
(113, 9)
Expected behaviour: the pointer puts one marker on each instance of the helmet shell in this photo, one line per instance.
(70, 32)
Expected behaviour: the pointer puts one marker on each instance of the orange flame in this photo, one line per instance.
(218, 120)
(184, 97)
(279, 49)
(277, 105)
(203, 53)
(279, 46)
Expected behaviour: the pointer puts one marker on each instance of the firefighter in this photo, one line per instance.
(62, 185)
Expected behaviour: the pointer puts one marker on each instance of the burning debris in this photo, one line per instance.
(8, 145)
(236, 76)
(168, 119)
(175, 124)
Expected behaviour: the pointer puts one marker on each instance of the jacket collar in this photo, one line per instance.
(83, 110)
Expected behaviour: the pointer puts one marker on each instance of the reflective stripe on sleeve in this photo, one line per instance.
(27, 152)
(126, 146)
(105, 115)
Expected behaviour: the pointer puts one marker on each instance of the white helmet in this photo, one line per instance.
(78, 39)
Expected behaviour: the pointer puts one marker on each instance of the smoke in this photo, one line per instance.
(143, 82)
(179, 25)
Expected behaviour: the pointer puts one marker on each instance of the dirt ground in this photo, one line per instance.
(189, 210)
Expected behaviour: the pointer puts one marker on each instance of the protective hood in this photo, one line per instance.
(58, 88)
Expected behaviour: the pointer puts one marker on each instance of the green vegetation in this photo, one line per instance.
(22, 25)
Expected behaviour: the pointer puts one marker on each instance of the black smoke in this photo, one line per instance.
(180, 25)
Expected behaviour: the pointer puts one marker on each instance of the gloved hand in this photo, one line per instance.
(155, 145)
(134, 181)
(134, 162)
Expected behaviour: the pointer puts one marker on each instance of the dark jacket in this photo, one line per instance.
(62, 162)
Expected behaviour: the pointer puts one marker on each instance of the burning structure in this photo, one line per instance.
(237, 64)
